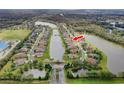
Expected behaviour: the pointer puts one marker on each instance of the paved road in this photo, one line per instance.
(30, 55)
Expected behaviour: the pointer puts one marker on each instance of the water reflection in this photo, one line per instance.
(56, 48)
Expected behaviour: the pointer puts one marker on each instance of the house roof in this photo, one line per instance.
(19, 55)
(20, 61)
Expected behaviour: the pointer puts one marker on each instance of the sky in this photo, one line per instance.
(61, 4)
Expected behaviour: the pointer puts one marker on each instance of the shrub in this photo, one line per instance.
(48, 66)
(47, 76)
(40, 66)
(68, 65)
(69, 75)
(106, 75)
(121, 74)
(39, 78)
(92, 74)
(26, 67)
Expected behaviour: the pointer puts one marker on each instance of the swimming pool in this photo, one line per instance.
(3, 45)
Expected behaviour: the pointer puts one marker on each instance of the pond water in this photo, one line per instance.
(115, 53)
(56, 52)
(56, 47)
(36, 73)
(3, 45)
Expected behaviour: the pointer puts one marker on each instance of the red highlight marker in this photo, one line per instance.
(78, 37)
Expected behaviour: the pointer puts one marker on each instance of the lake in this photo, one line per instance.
(115, 53)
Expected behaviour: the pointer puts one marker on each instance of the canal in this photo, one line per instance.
(56, 53)
(56, 48)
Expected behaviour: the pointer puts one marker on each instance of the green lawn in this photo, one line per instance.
(6, 67)
(24, 82)
(14, 34)
(95, 81)
(103, 63)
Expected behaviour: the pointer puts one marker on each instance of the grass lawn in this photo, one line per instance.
(95, 81)
(103, 63)
(14, 34)
(24, 82)
(6, 67)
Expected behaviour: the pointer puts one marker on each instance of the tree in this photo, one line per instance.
(77, 76)
(106, 75)
(8, 73)
(35, 64)
(69, 74)
(92, 75)
(48, 66)
(29, 77)
(30, 65)
(21, 70)
(39, 78)
(25, 67)
(17, 77)
(121, 74)
(47, 76)
(13, 65)
(40, 66)
(67, 66)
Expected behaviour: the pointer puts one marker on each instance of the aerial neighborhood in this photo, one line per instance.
(61, 47)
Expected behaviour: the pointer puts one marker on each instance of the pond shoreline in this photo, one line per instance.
(114, 52)
(114, 43)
